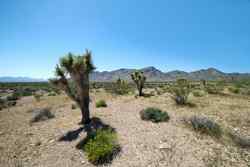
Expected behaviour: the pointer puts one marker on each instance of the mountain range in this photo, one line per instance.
(152, 74)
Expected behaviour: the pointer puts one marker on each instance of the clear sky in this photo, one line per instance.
(168, 34)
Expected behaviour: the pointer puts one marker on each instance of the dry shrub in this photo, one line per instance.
(206, 126)
(41, 115)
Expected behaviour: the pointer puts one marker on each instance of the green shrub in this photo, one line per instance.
(205, 125)
(102, 146)
(234, 90)
(13, 97)
(101, 103)
(154, 115)
(198, 93)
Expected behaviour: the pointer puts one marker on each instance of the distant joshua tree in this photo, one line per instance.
(72, 76)
(139, 80)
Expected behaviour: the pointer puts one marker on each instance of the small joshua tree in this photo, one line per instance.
(72, 76)
(139, 80)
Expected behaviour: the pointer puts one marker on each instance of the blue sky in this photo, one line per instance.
(168, 34)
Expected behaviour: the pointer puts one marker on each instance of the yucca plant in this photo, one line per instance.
(72, 76)
(182, 91)
(139, 79)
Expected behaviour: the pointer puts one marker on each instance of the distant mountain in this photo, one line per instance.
(20, 79)
(153, 74)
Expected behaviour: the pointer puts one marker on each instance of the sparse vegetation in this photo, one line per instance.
(205, 125)
(139, 80)
(120, 87)
(214, 88)
(77, 87)
(101, 146)
(154, 115)
(101, 103)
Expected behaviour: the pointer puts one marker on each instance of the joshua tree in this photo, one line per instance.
(72, 76)
(139, 80)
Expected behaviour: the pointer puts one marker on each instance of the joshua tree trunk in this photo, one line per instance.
(140, 91)
(83, 94)
(84, 106)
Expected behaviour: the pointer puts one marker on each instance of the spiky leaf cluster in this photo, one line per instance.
(138, 77)
(71, 72)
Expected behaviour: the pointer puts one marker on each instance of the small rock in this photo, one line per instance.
(38, 143)
(52, 141)
(236, 129)
(83, 162)
(165, 146)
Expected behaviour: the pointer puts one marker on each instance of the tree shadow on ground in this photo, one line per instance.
(91, 128)
(71, 135)
(95, 123)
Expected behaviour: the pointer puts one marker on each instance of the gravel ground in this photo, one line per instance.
(144, 144)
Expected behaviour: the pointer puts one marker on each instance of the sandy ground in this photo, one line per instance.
(144, 144)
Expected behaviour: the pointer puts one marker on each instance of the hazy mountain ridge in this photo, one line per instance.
(152, 74)
(20, 79)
